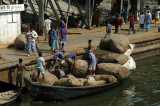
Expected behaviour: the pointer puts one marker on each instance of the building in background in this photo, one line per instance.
(10, 21)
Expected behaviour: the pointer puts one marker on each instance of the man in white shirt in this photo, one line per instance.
(141, 21)
(47, 27)
(41, 67)
(31, 41)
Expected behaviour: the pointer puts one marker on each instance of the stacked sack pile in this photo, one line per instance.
(114, 64)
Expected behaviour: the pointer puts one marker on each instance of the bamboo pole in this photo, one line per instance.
(41, 15)
(69, 3)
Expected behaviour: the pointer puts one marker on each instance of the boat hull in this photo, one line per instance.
(41, 92)
(8, 93)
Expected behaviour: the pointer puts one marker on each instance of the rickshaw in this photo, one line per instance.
(157, 14)
(157, 17)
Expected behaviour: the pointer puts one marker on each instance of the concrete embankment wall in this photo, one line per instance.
(144, 48)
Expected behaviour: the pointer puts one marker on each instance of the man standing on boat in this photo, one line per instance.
(20, 69)
(57, 57)
(71, 58)
(92, 63)
(41, 67)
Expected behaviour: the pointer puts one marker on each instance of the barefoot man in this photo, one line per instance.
(20, 69)
(41, 67)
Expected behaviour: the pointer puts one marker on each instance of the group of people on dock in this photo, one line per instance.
(56, 36)
(143, 19)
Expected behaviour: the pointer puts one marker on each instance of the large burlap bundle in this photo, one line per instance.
(70, 81)
(104, 56)
(64, 65)
(115, 43)
(20, 42)
(28, 75)
(116, 70)
(49, 79)
(59, 73)
(82, 80)
(94, 83)
(81, 68)
(107, 78)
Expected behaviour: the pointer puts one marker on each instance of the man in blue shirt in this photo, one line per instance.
(148, 20)
(63, 33)
(53, 38)
(71, 58)
(93, 62)
(62, 23)
(57, 57)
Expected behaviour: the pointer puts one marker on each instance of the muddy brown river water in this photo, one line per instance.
(141, 89)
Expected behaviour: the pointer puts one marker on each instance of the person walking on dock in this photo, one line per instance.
(62, 23)
(131, 24)
(53, 38)
(148, 20)
(47, 27)
(20, 68)
(31, 41)
(125, 16)
(141, 21)
(63, 33)
(41, 67)
(70, 59)
(108, 28)
(116, 23)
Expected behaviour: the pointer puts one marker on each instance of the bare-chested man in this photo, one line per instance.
(20, 69)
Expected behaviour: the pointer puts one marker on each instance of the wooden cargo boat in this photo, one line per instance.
(40, 92)
(8, 93)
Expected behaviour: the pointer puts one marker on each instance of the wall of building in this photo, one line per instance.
(10, 28)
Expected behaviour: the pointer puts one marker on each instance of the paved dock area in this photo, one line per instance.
(76, 39)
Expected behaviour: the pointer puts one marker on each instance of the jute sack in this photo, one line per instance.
(94, 83)
(80, 69)
(20, 42)
(104, 56)
(59, 73)
(104, 43)
(64, 65)
(69, 82)
(49, 79)
(107, 78)
(82, 80)
(115, 43)
(116, 70)
(27, 75)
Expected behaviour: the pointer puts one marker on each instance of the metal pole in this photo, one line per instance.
(69, 3)
(54, 10)
(89, 14)
(142, 5)
(80, 11)
(41, 15)
(32, 7)
(59, 9)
